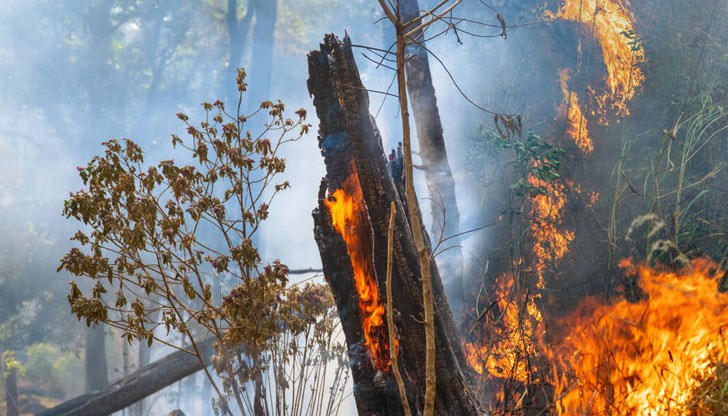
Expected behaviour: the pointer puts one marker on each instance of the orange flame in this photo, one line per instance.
(643, 358)
(577, 128)
(551, 240)
(349, 218)
(512, 335)
(612, 24)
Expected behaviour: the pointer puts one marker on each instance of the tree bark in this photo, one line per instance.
(95, 357)
(266, 14)
(138, 385)
(351, 144)
(11, 393)
(438, 175)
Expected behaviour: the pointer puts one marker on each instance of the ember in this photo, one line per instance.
(349, 217)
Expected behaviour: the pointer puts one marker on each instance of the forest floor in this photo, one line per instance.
(32, 400)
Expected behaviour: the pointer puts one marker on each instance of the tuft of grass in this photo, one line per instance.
(711, 396)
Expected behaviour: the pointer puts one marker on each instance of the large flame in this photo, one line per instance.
(577, 128)
(644, 358)
(349, 218)
(612, 24)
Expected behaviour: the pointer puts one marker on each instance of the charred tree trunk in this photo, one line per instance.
(354, 157)
(136, 386)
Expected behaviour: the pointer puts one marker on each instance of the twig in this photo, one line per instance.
(390, 315)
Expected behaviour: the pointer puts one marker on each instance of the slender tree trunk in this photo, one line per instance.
(266, 14)
(438, 175)
(11, 393)
(144, 354)
(237, 36)
(126, 362)
(415, 218)
(96, 367)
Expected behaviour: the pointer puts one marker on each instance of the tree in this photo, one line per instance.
(441, 185)
(265, 13)
(355, 264)
(162, 235)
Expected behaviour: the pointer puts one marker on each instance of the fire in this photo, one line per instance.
(551, 241)
(577, 128)
(612, 24)
(511, 338)
(349, 217)
(644, 358)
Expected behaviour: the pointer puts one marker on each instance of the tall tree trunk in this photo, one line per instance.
(266, 14)
(11, 393)
(237, 35)
(96, 367)
(438, 175)
(144, 353)
(351, 145)
(126, 365)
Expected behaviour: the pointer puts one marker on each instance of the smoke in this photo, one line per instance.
(75, 74)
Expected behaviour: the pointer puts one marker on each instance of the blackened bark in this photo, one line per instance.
(136, 386)
(350, 143)
(443, 201)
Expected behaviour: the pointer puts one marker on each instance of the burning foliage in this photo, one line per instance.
(665, 354)
(576, 129)
(508, 350)
(349, 217)
(612, 23)
(647, 357)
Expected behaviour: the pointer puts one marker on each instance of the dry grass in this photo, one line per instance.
(711, 396)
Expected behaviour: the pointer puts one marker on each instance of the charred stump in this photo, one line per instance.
(355, 163)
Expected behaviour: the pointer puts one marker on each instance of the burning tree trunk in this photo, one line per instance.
(351, 233)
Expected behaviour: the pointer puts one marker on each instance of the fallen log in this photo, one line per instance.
(354, 157)
(136, 386)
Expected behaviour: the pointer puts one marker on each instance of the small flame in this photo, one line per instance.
(577, 128)
(648, 357)
(349, 218)
(612, 24)
(510, 346)
(551, 240)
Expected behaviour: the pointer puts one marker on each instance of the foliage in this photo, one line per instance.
(11, 363)
(533, 157)
(39, 366)
(175, 244)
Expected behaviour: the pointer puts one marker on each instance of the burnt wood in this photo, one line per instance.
(350, 142)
